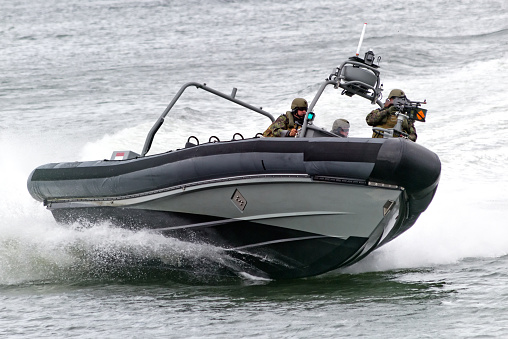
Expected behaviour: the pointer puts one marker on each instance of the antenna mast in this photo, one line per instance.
(361, 40)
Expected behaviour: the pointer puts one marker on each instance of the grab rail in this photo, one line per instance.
(231, 97)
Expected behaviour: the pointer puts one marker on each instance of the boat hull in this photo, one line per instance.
(288, 209)
(327, 225)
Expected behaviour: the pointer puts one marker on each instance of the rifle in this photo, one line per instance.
(410, 108)
(407, 109)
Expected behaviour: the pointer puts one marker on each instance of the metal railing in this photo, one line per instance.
(230, 97)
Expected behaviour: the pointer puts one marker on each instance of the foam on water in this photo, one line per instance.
(33, 247)
(466, 126)
(80, 80)
(464, 220)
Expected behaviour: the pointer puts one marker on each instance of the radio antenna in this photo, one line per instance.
(361, 40)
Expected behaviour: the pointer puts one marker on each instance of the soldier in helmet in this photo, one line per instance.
(341, 127)
(287, 124)
(386, 118)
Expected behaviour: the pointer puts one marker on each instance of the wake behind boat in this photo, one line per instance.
(288, 207)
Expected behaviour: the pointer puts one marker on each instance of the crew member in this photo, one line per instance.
(386, 117)
(287, 125)
(341, 127)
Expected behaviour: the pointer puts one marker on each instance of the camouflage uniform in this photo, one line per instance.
(282, 126)
(386, 118)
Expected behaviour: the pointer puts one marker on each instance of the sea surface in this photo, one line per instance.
(81, 79)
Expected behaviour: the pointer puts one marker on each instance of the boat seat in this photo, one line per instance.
(361, 80)
(352, 73)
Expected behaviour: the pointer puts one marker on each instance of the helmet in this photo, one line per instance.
(396, 93)
(340, 123)
(299, 102)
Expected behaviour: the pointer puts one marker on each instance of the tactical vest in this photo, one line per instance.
(389, 122)
(290, 120)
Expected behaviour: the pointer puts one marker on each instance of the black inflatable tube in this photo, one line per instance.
(392, 161)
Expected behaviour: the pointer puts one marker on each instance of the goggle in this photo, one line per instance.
(401, 97)
(340, 129)
(301, 108)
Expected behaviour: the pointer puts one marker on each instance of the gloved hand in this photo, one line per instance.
(393, 109)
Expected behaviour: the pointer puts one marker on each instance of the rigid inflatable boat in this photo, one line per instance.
(287, 207)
